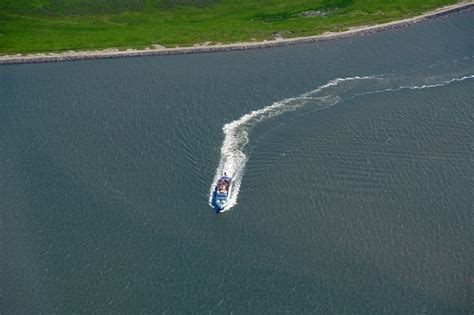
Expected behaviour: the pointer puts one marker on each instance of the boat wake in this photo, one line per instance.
(236, 133)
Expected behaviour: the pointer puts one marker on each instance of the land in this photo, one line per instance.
(44, 30)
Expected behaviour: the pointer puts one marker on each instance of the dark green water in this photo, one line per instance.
(356, 198)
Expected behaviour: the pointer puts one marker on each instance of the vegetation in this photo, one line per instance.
(28, 26)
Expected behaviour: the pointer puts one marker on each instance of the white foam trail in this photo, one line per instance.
(417, 87)
(233, 158)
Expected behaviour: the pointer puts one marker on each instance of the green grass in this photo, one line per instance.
(28, 26)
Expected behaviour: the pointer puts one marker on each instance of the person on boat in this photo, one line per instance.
(226, 178)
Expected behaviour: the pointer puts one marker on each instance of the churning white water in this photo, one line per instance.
(236, 133)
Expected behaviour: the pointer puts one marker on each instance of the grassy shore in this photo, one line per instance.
(28, 26)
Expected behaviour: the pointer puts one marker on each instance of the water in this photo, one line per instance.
(233, 159)
(352, 164)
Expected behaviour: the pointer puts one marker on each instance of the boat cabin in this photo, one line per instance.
(222, 186)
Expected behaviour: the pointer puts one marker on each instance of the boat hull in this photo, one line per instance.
(221, 194)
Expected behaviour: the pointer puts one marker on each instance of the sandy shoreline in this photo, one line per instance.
(157, 50)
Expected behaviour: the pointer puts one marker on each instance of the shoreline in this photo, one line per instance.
(158, 50)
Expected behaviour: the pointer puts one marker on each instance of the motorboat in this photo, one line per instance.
(221, 195)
